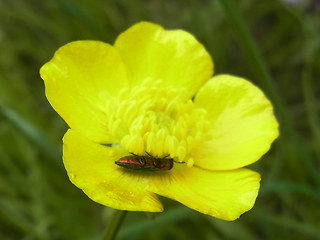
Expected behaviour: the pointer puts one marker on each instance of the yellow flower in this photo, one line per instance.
(152, 92)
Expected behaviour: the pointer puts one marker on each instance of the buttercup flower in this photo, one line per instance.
(152, 94)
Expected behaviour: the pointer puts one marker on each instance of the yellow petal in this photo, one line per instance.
(243, 125)
(221, 194)
(91, 167)
(174, 56)
(80, 80)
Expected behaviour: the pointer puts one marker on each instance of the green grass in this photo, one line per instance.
(272, 43)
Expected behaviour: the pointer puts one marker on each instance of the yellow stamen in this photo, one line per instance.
(157, 120)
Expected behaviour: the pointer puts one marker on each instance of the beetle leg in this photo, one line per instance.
(142, 161)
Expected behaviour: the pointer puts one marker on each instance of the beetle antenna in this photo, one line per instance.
(149, 154)
(178, 162)
(134, 154)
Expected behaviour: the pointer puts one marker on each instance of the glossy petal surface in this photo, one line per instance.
(222, 194)
(173, 56)
(91, 167)
(80, 80)
(243, 125)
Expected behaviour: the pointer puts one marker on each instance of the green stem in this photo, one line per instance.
(115, 225)
(263, 76)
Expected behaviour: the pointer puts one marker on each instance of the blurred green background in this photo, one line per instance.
(37, 201)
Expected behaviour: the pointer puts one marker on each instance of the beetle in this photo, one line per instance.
(145, 163)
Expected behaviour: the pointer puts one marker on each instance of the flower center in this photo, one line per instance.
(159, 121)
